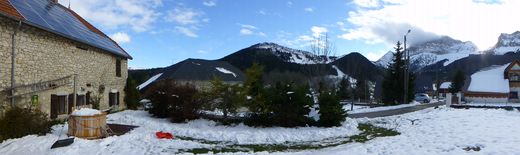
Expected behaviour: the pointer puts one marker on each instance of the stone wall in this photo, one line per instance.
(44, 56)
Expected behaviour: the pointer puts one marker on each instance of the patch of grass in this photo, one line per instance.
(368, 132)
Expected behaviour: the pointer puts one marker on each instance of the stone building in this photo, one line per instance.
(54, 53)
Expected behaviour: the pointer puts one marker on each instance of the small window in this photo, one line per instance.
(513, 95)
(58, 105)
(81, 100)
(118, 68)
(113, 99)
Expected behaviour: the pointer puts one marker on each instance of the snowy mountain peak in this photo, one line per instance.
(292, 55)
(385, 59)
(443, 45)
(444, 49)
(507, 43)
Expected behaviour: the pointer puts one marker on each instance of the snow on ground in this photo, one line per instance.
(142, 140)
(225, 71)
(440, 131)
(492, 76)
(150, 80)
(430, 131)
(85, 112)
(383, 108)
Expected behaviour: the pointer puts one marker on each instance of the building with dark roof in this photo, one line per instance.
(54, 60)
(198, 72)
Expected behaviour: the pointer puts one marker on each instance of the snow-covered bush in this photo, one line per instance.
(19, 122)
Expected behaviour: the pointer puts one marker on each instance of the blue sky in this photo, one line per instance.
(158, 33)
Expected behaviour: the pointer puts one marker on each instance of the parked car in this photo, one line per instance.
(421, 97)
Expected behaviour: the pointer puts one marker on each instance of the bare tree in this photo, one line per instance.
(323, 51)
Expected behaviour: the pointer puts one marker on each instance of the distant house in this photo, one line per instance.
(444, 89)
(197, 72)
(53, 60)
(498, 84)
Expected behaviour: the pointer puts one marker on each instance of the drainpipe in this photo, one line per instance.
(13, 58)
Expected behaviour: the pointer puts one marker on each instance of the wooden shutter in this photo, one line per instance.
(118, 68)
(117, 101)
(54, 106)
(71, 102)
(87, 98)
(110, 99)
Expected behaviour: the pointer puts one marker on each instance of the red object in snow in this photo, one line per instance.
(164, 135)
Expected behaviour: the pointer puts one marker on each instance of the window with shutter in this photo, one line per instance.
(71, 102)
(80, 100)
(54, 106)
(87, 98)
(118, 68)
(111, 99)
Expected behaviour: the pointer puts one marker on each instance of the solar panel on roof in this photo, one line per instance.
(55, 18)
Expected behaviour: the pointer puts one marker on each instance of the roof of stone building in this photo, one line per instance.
(55, 18)
(202, 70)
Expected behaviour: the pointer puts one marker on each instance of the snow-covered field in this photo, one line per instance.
(441, 131)
(430, 131)
(142, 140)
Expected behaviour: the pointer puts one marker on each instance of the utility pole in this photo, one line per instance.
(406, 69)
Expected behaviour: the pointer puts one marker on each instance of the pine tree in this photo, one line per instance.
(331, 111)
(131, 94)
(393, 83)
(225, 97)
(344, 88)
(254, 88)
(457, 82)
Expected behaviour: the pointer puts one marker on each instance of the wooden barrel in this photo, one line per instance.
(89, 127)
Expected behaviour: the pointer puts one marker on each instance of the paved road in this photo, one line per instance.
(395, 111)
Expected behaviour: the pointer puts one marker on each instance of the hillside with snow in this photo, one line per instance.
(507, 43)
(431, 52)
(292, 55)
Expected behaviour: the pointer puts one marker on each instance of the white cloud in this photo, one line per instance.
(476, 21)
(303, 40)
(318, 31)
(139, 15)
(184, 16)
(289, 3)
(186, 31)
(309, 9)
(248, 26)
(210, 3)
(262, 12)
(120, 37)
(244, 31)
(367, 3)
(188, 20)
(374, 56)
(202, 51)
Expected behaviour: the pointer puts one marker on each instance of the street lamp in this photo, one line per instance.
(407, 66)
